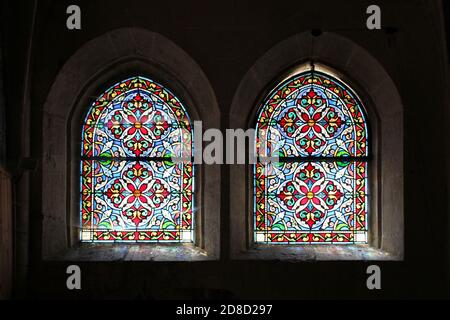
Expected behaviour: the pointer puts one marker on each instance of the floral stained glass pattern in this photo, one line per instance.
(132, 190)
(317, 190)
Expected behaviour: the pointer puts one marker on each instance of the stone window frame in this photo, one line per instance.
(366, 76)
(98, 64)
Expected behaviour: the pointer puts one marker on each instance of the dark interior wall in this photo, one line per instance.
(15, 38)
(225, 39)
(446, 13)
(2, 107)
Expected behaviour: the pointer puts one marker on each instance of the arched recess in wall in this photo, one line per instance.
(100, 63)
(348, 61)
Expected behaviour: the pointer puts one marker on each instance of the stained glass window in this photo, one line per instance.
(316, 192)
(132, 188)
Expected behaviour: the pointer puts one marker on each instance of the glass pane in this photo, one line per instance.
(297, 202)
(313, 116)
(127, 194)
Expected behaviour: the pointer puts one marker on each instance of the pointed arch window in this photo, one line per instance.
(317, 191)
(132, 189)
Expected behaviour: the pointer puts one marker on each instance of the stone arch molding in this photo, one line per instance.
(104, 61)
(385, 112)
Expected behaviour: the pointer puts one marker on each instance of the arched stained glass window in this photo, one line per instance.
(132, 189)
(317, 191)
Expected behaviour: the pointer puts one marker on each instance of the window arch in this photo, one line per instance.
(132, 187)
(317, 191)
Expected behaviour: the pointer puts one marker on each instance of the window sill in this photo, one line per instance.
(133, 252)
(316, 253)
